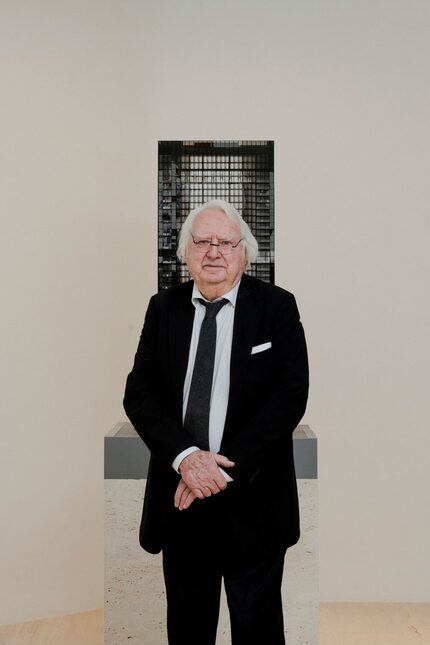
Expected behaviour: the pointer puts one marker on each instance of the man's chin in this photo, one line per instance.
(213, 274)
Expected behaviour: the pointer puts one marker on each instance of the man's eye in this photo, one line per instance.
(225, 243)
(203, 242)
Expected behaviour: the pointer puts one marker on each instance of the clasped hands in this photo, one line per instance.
(200, 477)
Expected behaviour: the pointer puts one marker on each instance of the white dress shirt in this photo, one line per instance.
(221, 377)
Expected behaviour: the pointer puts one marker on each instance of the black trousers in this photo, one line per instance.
(200, 552)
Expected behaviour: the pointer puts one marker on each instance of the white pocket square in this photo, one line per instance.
(261, 348)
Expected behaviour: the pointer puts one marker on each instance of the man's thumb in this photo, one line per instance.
(223, 461)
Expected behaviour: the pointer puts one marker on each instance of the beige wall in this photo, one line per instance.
(88, 88)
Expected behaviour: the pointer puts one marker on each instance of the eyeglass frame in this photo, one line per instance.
(228, 249)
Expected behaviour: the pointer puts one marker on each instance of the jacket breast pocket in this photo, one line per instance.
(265, 354)
(261, 367)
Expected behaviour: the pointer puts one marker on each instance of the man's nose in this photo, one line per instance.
(213, 251)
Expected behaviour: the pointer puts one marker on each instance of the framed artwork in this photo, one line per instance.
(193, 172)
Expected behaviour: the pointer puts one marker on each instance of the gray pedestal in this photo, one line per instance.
(134, 591)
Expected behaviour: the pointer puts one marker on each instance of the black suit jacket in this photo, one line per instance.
(267, 399)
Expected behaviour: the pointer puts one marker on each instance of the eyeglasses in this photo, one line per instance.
(225, 246)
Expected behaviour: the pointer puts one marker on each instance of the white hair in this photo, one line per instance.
(248, 240)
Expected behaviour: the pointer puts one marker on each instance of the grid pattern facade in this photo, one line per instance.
(193, 172)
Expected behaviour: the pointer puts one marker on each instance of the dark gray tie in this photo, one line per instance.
(197, 414)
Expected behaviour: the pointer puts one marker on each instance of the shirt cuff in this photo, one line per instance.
(227, 477)
(177, 462)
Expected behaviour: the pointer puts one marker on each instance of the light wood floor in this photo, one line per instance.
(341, 624)
(374, 624)
(74, 629)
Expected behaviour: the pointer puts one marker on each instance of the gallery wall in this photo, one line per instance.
(88, 90)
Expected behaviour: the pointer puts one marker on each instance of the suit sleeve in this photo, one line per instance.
(143, 401)
(259, 440)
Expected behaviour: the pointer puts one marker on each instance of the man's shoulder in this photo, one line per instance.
(266, 290)
(176, 294)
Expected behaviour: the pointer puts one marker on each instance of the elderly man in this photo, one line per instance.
(219, 383)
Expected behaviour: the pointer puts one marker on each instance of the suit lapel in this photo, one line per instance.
(180, 331)
(246, 319)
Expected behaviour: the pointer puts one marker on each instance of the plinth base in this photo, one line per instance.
(135, 604)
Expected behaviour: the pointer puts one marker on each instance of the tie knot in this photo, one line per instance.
(212, 308)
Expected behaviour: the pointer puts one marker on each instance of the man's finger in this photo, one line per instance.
(214, 485)
(223, 461)
(198, 493)
(187, 500)
(207, 492)
(222, 483)
(183, 497)
(217, 486)
(201, 491)
(220, 480)
(179, 492)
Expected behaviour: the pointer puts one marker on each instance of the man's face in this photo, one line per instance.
(211, 270)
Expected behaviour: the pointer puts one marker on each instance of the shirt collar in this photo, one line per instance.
(231, 295)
